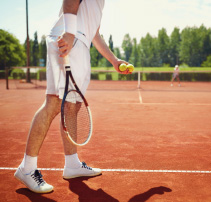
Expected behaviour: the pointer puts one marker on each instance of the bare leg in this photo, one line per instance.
(172, 80)
(41, 123)
(178, 80)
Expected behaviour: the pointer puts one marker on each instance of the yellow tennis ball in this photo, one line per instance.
(122, 67)
(130, 68)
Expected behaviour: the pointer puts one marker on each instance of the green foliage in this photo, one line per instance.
(153, 76)
(148, 52)
(17, 74)
(111, 47)
(207, 62)
(188, 47)
(184, 65)
(11, 51)
(127, 46)
(43, 50)
(103, 63)
(117, 52)
(166, 65)
(2, 74)
(111, 43)
(35, 51)
(94, 56)
(163, 46)
(174, 47)
(195, 45)
(134, 58)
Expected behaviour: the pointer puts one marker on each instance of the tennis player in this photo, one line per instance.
(175, 75)
(72, 34)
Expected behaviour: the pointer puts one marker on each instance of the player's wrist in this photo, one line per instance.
(70, 23)
(114, 61)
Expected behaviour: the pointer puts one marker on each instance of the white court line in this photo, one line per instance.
(163, 103)
(140, 97)
(127, 170)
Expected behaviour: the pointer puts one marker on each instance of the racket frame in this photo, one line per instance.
(77, 90)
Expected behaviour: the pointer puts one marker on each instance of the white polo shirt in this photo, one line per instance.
(88, 19)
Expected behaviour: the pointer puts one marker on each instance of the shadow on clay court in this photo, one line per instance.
(86, 194)
(146, 195)
(34, 197)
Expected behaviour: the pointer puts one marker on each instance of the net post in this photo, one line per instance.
(139, 80)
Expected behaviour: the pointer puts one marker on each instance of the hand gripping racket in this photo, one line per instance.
(76, 116)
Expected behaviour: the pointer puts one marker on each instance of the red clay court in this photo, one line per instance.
(153, 144)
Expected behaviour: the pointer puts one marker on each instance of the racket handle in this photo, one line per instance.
(66, 61)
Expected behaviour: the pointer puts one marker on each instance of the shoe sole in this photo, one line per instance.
(75, 176)
(39, 192)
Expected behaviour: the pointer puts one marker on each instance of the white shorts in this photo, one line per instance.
(79, 57)
(175, 75)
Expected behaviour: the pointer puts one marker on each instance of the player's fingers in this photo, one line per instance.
(65, 53)
(125, 72)
(62, 43)
(63, 48)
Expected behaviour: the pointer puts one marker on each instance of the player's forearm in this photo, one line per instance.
(104, 50)
(71, 6)
(65, 41)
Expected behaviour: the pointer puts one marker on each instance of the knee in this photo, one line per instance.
(52, 105)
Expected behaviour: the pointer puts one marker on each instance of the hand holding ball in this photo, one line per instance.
(130, 68)
(123, 67)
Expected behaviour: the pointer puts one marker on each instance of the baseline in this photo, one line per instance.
(127, 170)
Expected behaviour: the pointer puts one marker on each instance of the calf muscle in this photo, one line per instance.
(41, 123)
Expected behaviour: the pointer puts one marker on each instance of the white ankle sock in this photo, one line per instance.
(72, 161)
(28, 164)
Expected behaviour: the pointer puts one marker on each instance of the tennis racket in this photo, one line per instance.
(76, 116)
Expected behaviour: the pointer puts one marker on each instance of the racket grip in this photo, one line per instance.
(66, 61)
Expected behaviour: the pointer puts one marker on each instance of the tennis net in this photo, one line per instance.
(18, 76)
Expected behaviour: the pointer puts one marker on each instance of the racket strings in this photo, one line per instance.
(76, 118)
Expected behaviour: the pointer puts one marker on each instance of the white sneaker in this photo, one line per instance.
(179, 85)
(171, 85)
(33, 181)
(83, 171)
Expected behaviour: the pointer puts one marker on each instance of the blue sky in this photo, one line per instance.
(136, 17)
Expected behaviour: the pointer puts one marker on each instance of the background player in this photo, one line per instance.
(175, 75)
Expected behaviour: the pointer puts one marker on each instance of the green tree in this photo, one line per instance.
(111, 47)
(35, 51)
(191, 46)
(134, 58)
(206, 42)
(111, 43)
(174, 46)
(43, 50)
(11, 51)
(207, 62)
(117, 53)
(149, 54)
(94, 56)
(163, 46)
(127, 47)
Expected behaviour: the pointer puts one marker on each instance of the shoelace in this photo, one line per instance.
(37, 177)
(85, 166)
